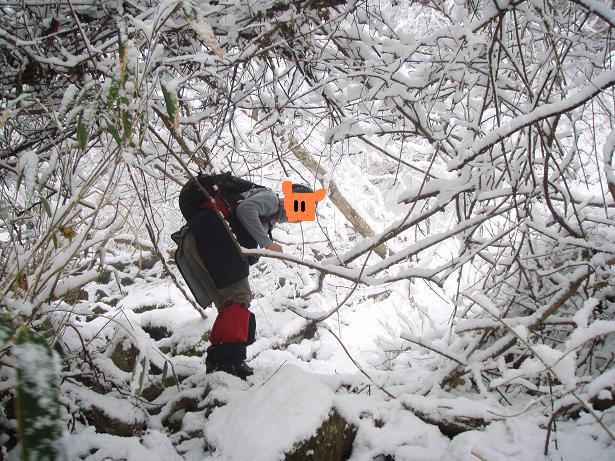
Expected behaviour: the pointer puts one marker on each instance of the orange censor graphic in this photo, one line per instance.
(300, 206)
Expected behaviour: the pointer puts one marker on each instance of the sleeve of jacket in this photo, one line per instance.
(250, 210)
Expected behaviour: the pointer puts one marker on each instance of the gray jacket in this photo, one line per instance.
(255, 209)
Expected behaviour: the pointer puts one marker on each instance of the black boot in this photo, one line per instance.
(241, 370)
(229, 358)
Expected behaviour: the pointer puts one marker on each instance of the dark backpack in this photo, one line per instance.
(227, 191)
(224, 188)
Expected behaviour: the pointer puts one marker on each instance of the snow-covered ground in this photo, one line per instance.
(297, 384)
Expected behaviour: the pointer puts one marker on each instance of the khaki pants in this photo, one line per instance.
(239, 292)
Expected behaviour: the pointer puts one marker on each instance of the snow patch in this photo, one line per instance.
(266, 421)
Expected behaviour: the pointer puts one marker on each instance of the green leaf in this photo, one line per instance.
(116, 135)
(19, 179)
(112, 95)
(170, 100)
(82, 133)
(46, 206)
(7, 329)
(86, 118)
(142, 129)
(165, 370)
(139, 373)
(38, 410)
(142, 377)
(175, 376)
(126, 121)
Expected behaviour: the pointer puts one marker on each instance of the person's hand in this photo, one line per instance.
(275, 247)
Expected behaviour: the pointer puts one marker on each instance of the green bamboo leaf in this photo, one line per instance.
(19, 179)
(142, 129)
(116, 135)
(38, 409)
(170, 101)
(82, 133)
(7, 329)
(84, 124)
(175, 376)
(126, 121)
(142, 377)
(134, 372)
(165, 370)
(114, 91)
(46, 206)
